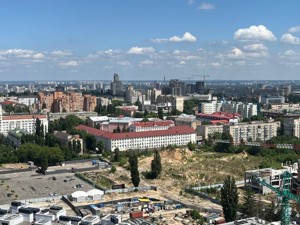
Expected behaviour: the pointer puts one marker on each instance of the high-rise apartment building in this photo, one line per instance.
(116, 86)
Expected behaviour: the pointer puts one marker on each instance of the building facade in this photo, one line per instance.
(180, 135)
(204, 131)
(150, 126)
(116, 86)
(254, 131)
(25, 122)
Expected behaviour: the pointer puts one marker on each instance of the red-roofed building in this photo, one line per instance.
(6, 102)
(180, 135)
(26, 122)
(219, 116)
(219, 121)
(149, 126)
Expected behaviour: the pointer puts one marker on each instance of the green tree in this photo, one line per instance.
(90, 142)
(249, 204)
(229, 198)
(146, 113)
(117, 155)
(139, 105)
(191, 146)
(134, 170)
(273, 212)
(78, 146)
(43, 164)
(44, 105)
(100, 146)
(160, 113)
(156, 166)
(39, 128)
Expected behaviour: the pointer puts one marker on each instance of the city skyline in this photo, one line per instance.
(139, 40)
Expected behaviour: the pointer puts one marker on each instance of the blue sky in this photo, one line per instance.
(145, 40)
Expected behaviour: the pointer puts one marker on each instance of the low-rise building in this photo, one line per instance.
(15, 136)
(177, 135)
(231, 117)
(205, 131)
(95, 121)
(65, 138)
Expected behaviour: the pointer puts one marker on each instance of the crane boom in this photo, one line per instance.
(285, 193)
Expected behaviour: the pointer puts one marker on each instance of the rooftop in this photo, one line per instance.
(126, 135)
(153, 123)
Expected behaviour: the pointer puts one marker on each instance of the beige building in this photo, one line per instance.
(176, 101)
(285, 106)
(254, 131)
(59, 101)
(205, 130)
(188, 121)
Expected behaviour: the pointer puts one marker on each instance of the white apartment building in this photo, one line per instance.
(150, 126)
(28, 100)
(205, 130)
(210, 107)
(180, 135)
(254, 131)
(246, 110)
(25, 122)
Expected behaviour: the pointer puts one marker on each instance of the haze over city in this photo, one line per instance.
(142, 40)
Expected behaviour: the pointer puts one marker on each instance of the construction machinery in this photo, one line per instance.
(204, 76)
(284, 192)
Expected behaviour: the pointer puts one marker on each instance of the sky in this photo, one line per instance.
(149, 39)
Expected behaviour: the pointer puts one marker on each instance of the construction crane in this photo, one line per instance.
(204, 76)
(284, 192)
(188, 78)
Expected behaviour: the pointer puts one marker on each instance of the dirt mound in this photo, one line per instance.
(175, 155)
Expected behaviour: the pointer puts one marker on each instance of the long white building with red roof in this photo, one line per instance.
(180, 135)
(151, 125)
(26, 122)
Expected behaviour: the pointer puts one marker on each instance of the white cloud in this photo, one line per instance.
(71, 63)
(294, 29)
(124, 63)
(290, 58)
(191, 2)
(61, 53)
(38, 56)
(255, 47)
(236, 53)
(206, 6)
(141, 50)
(254, 33)
(290, 39)
(147, 62)
(182, 63)
(187, 37)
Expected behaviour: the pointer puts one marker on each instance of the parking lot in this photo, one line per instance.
(28, 185)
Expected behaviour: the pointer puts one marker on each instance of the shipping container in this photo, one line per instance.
(134, 215)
